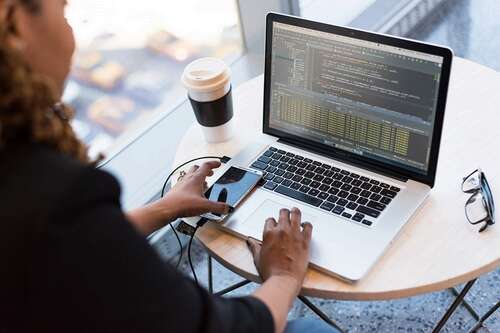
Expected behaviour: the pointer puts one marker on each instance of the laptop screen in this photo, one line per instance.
(373, 100)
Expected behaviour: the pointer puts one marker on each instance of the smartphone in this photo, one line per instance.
(232, 187)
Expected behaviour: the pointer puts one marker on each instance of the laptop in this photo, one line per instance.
(351, 133)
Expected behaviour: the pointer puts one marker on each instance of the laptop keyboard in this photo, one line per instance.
(354, 197)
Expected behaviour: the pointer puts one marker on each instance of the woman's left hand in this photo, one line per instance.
(185, 199)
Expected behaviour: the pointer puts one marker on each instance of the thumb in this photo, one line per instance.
(254, 248)
(218, 207)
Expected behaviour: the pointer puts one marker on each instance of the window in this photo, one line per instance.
(131, 55)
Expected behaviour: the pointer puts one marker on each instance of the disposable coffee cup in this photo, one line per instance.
(208, 81)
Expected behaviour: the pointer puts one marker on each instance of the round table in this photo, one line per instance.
(438, 248)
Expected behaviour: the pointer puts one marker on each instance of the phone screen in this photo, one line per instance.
(237, 182)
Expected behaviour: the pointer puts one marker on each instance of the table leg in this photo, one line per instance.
(458, 300)
(466, 304)
(320, 313)
(210, 276)
(485, 317)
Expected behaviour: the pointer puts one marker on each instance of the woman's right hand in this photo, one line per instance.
(285, 247)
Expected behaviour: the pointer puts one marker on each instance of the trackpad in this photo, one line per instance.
(269, 208)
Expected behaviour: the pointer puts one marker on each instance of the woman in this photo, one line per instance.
(71, 259)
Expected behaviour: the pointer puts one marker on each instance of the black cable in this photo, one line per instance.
(222, 159)
(189, 255)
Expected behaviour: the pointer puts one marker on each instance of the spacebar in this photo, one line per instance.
(298, 195)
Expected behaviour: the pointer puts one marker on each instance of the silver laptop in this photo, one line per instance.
(352, 126)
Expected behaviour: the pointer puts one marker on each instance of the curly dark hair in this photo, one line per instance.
(30, 111)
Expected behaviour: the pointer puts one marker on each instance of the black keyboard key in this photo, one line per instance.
(271, 169)
(290, 154)
(362, 201)
(300, 172)
(283, 166)
(352, 197)
(294, 161)
(368, 211)
(325, 166)
(275, 163)
(278, 180)
(376, 205)
(356, 182)
(269, 176)
(338, 210)
(352, 205)
(347, 179)
(298, 157)
(374, 182)
(347, 215)
(299, 196)
(376, 189)
(273, 149)
(320, 171)
(270, 185)
(323, 195)
(375, 197)
(306, 181)
(345, 172)
(295, 186)
(365, 193)
(319, 178)
(311, 167)
(346, 187)
(335, 169)
(354, 175)
(384, 185)
(338, 176)
(328, 206)
(395, 189)
(292, 168)
(332, 199)
(297, 178)
(333, 191)
(301, 164)
(276, 156)
(358, 217)
(328, 173)
(316, 163)
(269, 153)
(279, 172)
(264, 159)
(364, 179)
(343, 194)
(327, 181)
(337, 184)
(308, 160)
(259, 165)
(309, 174)
(366, 222)
(385, 200)
(324, 188)
(342, 202)
(388, 193)
(366, 186)
(304, 189)
(315, 184)
(288, 175)
(314, 192)
(287, 182)
(285, 159)
(281, 151)
(356, 190)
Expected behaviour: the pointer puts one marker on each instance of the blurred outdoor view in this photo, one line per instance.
(131, 55)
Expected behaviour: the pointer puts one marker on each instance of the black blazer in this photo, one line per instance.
(71, 262)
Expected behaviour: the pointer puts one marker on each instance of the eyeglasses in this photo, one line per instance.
(480, 207)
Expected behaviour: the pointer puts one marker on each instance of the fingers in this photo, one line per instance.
(307, 231)
(270, 225)
(295, 219)
(205, 169)
(193, 169)
(217, 207)
(284, 220)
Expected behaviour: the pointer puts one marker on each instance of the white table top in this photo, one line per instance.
(438, 248)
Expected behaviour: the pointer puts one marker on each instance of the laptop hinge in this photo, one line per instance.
(338, 155)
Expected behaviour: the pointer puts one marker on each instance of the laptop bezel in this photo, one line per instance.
(345, 156)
